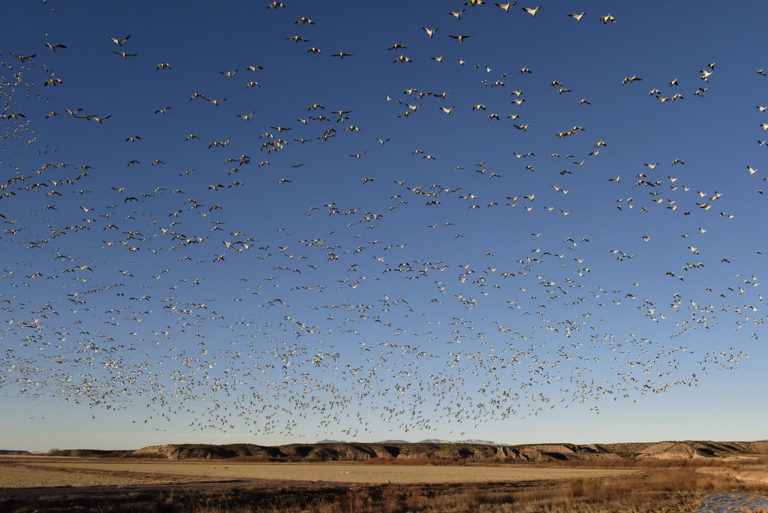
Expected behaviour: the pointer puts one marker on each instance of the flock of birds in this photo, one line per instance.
(256, 298)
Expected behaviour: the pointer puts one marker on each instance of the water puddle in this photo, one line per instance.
(734, 502)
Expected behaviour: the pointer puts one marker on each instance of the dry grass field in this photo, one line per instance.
(38, 474)
(56, 485)
(47, 472)
(746, 474)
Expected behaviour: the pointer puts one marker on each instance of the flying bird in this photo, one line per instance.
(54, 47)
(532, 12)
(460, 37)
(119, 42)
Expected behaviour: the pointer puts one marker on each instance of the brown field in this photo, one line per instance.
(30, 472)
(41, 483)
(46, 472)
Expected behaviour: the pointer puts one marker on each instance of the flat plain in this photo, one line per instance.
(63, 484)
(33, 472)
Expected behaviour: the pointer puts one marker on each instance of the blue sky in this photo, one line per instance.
(397, 262)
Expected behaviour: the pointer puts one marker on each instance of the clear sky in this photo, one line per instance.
(272, 223)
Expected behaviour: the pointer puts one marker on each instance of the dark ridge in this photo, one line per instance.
(438, 452)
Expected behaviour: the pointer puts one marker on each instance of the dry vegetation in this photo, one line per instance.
(759, 460)
(663, 486)
(329, 472)
(17, 476)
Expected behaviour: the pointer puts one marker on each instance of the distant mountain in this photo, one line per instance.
(468, 441)
(11, 452)
(328, 441)
(427, 441)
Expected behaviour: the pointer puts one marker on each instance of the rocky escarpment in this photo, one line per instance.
(208, 452)
(688, 449)
(466, 452)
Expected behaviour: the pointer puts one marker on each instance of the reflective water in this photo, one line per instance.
(722, 502)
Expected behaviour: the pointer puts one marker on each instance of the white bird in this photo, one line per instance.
(460, 37)
(54, 47)
(532, 12)
(120, 41)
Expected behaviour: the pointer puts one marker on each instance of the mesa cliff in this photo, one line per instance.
(437, 452)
